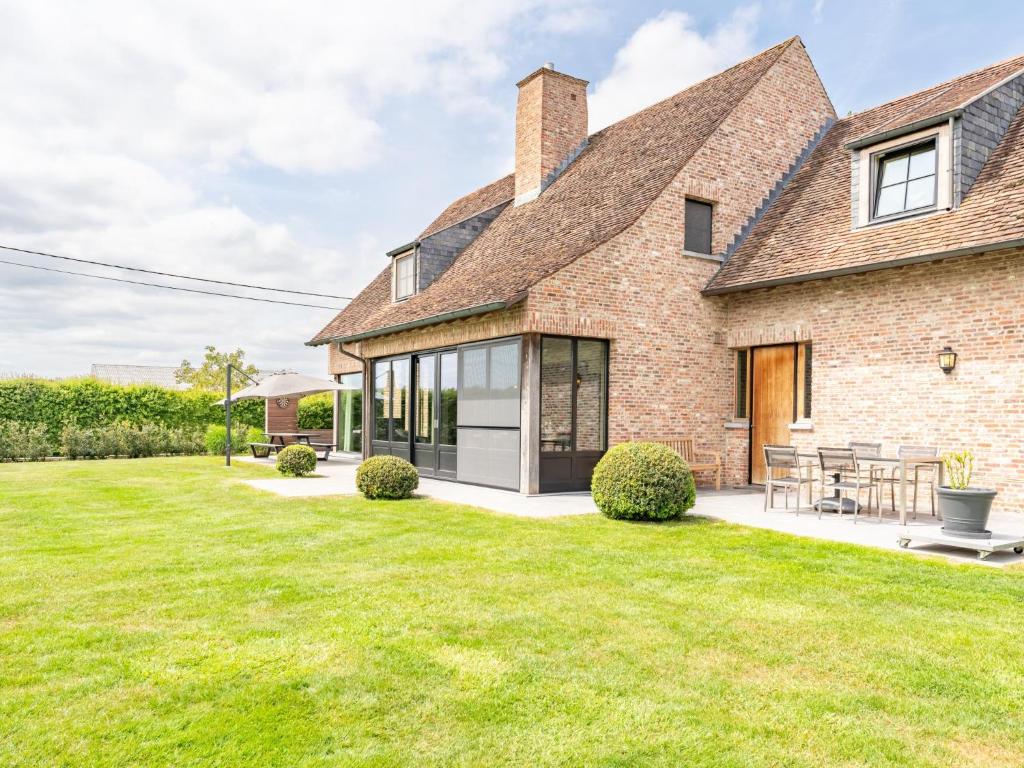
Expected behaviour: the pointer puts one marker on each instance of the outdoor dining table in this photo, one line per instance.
(905, 464)
(301, 437)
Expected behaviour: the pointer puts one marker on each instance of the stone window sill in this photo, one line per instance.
(738, 424)
(707, 256)
(803, 425)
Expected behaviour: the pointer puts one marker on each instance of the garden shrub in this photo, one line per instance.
(386, 477)
(643, 481)
(92, 403)
(316, 411)
(128, 441)
(241, 436)
(23, 441)
(296, 460)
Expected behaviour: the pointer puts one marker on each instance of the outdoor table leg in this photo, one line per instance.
(903, 492)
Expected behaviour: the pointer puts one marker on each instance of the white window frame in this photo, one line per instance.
(868, 162)
(410, 254)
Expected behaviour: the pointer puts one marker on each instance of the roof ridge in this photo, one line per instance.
(944, 85)
(780, 46)
(431, 230)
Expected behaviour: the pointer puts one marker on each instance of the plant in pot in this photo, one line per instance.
(964, 509)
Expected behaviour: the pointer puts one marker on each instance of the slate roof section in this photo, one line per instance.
(938, 101)
(807, 233)
(483, 199)
(605, 190)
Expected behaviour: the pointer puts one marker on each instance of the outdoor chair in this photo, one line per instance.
(843, 463)
(784, 458)
(923, 471)
(866, 451)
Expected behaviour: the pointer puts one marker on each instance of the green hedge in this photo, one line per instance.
(241, 436)
(90, 403)
(316, 411)
(23, 441)
(129, 441)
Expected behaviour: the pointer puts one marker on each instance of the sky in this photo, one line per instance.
(293, 144)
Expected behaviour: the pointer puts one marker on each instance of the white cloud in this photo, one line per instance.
(818, 11)
(664, 56)
(121, 120)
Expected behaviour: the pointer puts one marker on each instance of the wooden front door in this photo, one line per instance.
(772, 401)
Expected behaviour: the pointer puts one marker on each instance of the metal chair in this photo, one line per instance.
(866, 450)
(784, 457)
(869, 451)
(843, 463)
(926, 470)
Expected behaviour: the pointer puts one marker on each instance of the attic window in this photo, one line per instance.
(906, 180)
(405, 275)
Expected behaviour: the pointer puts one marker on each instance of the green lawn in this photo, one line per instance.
(157, 612)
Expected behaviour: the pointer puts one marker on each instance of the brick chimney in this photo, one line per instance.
(551, 126)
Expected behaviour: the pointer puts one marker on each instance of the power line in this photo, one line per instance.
(169, 274)
(168, 287)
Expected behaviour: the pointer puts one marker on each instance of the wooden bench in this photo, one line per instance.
(710, 462)
(262, 450)
(325, 447)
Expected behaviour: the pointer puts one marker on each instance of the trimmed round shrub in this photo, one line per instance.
(296, 460)
(386, 477)
(643, 481)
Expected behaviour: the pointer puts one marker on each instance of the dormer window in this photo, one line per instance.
(405, 275)
(903, 176)
(906, 180)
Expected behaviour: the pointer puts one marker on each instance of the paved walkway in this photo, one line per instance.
(742, 506)
(338, 476)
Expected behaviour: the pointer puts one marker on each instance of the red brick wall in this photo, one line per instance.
(551, 121)
(670, 369)
(876, 374)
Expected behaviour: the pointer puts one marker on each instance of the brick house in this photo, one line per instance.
(732, 264)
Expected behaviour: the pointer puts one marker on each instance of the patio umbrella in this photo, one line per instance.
(276, 385)
(286, 385)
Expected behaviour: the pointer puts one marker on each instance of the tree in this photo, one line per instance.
(212, 375)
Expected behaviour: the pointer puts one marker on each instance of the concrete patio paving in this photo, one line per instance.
(742, 506)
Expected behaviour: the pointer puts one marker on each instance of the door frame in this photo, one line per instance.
(573, 455)
(436, 448)
(795, 345)
(385, 447)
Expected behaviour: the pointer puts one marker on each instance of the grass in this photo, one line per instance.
(156, 612)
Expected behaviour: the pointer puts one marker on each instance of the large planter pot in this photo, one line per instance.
(965, 513)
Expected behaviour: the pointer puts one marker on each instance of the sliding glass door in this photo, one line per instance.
(392, 407)
(574, 411)
(436, 389)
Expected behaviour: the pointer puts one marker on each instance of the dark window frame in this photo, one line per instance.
(909, 149)
(742, 409)
(573, 358)
(698, 248)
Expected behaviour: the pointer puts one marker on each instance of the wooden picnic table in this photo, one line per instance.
(905, 464)
(301, 437)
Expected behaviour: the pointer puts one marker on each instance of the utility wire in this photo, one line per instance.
(169, 274)
(168, 287)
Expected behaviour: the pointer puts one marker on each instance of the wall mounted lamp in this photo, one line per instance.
(947, 360)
